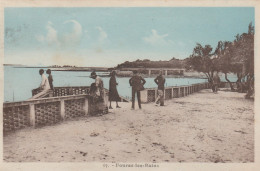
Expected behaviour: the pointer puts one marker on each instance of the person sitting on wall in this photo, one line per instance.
(44, 86)
(137, 83)
(50, 79)
(160, 81)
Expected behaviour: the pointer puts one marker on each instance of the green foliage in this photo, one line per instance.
(146, 63)
(201, 60)
(235, 57)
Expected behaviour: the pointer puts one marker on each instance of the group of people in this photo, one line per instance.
(137, 83)
(46, 83)
(97, 92)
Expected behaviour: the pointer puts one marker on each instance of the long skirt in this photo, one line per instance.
(113, 94)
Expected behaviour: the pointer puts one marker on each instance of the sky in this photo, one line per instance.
(105, 37)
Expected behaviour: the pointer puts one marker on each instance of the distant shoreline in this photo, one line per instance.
(103, 69)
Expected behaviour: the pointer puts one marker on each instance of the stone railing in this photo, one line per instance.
(75, 90)
(50, 110)
(64, 91)
(150, 94)
(43, 111)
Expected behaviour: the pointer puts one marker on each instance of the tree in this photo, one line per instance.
(238, 57)
(201, 61)
(244, 58)
(224, 53)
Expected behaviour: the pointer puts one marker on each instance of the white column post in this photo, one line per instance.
(86, 105)
(62, 109)
(32, 115)
(144, 96)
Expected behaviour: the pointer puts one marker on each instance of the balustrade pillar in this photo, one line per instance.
(85, 107)
(62, 109)
(32, 115)
(149, 72)
(144, 96)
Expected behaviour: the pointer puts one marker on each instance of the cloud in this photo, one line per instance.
(74, 37)
(66, 39)
(102, 35)
(155, 39)
(51, 37)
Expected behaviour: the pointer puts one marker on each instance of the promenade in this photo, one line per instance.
(201, 127)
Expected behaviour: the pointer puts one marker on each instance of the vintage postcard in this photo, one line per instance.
(129, 85)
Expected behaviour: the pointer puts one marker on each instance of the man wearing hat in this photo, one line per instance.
(99, 84)
(99, 90)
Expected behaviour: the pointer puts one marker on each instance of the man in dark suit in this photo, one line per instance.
(137, 83)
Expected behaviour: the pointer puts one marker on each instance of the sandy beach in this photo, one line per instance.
(202, 127)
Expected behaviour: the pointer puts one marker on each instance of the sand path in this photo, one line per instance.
(202, 127)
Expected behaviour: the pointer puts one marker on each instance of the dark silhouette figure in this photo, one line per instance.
(50, 78)
(113, 94)
(137, 83)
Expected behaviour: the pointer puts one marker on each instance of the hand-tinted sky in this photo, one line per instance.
(108, 36)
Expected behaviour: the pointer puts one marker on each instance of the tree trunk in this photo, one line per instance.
(250, 91)
(207, 77)
(238, 82)
(231, 85)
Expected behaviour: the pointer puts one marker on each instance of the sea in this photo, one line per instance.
(19, 81)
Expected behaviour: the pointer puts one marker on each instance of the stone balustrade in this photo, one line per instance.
(44, 111)
(74, 102)
(150, 94)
